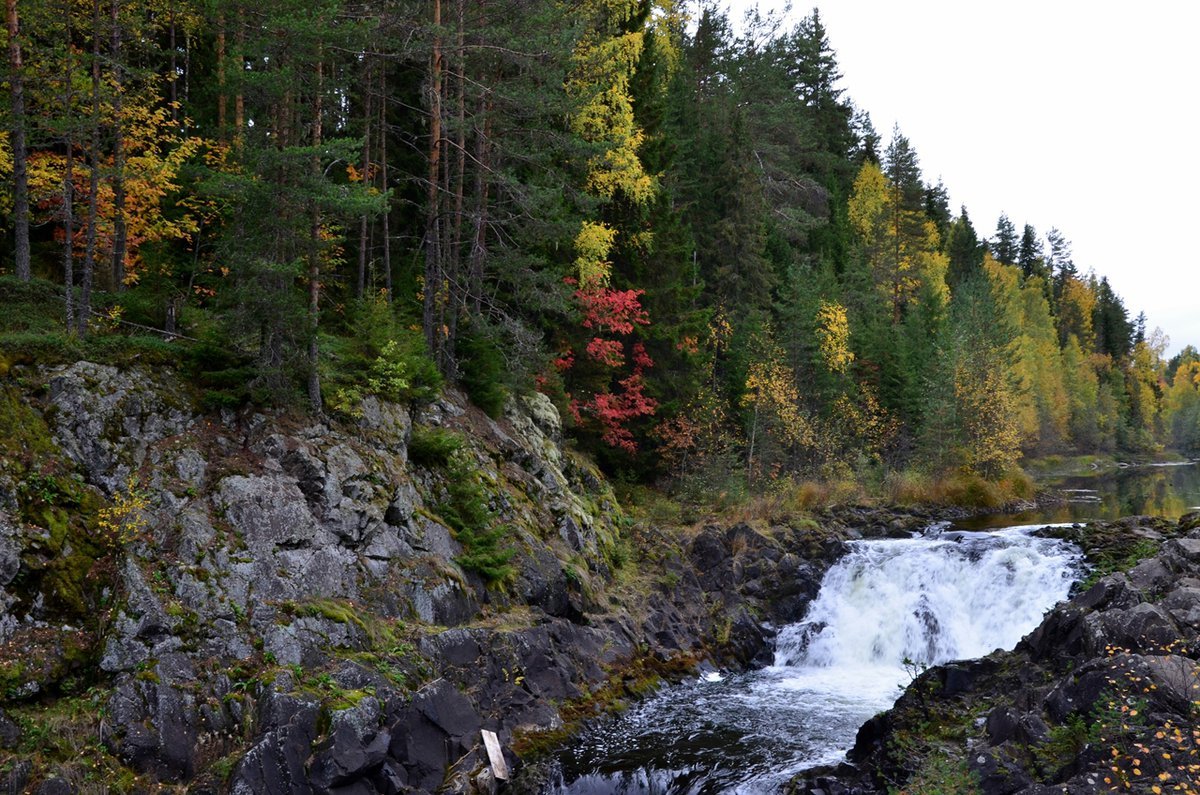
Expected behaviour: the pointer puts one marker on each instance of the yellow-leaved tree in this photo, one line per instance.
(833, 336)
(899, 244)
(602, 68)
(778, 421)
(1181, 405)
(1041, 409)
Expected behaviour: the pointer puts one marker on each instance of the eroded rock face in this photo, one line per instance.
(107, 420)
(289, 613)
(1094, 700)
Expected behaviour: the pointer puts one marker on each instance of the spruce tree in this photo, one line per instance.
(1029, 256)
(1059, 262)
(964, 250)
(1004, 246)
(1114, 333)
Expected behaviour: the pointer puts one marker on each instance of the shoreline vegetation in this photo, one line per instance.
(29, 336)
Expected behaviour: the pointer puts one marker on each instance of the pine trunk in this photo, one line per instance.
(314, 259)
(383, 158)
(119, 233)
(83, 316)
(222, 100)
(174, 67)
(68, 195)
(363, 224)
(482, 185)
(20, 155)
(434, 277)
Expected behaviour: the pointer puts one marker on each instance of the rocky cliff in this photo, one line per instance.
(257, 602)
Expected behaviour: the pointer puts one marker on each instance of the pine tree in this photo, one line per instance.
(937, 208)
(1059, 262)
(1114, 332)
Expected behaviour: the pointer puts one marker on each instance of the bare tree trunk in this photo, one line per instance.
(222, 129)
(83, 317)
(119, 234)
(174, 69)
(20, 154)
(68, 198)
(482, 186)
(314, 259)
(187, 67)
(360, 284)
(68, 219)
(239, 98)
(434, 277)
(455, 243)
(383, 158)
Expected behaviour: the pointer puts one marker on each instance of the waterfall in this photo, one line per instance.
(927, 600)
(944, 595)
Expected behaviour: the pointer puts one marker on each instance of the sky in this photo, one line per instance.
(1078, 115)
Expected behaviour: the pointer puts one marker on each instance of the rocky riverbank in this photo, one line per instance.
(259, 602)
(1103, 696)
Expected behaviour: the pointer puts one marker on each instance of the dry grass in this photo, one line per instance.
(963, 489)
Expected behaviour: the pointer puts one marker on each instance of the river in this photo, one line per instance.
(885, 610)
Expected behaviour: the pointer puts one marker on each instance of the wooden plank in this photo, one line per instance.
(495, 755)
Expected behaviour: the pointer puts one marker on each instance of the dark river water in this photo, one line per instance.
(955, 592)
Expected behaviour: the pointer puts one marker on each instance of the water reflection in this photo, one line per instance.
(1168, 490)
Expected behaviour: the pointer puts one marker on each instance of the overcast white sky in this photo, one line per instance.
(1079, 115)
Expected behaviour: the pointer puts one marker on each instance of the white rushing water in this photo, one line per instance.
(943, 596)
(884, 610)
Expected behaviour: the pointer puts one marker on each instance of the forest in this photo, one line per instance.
(680, 229)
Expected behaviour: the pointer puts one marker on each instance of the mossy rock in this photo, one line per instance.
(24, 435)
(47, 660)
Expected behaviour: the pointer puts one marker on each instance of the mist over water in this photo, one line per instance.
(945, 595)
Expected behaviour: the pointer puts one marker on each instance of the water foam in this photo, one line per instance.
(928, 600)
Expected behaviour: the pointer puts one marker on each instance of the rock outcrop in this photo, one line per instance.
(256, 603)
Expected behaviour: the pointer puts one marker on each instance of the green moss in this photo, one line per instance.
(1108, 547)
(23, 432)
(381, 634)
(628, 682)
(222, 769)
(1064, 744)
(12, 677)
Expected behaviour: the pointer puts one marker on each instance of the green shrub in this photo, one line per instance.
(483, 373)
(374, 354)
(474, 523)
(223, 375)
(940, 775)
(433, 446)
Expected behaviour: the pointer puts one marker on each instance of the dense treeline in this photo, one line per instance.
(689, 237)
